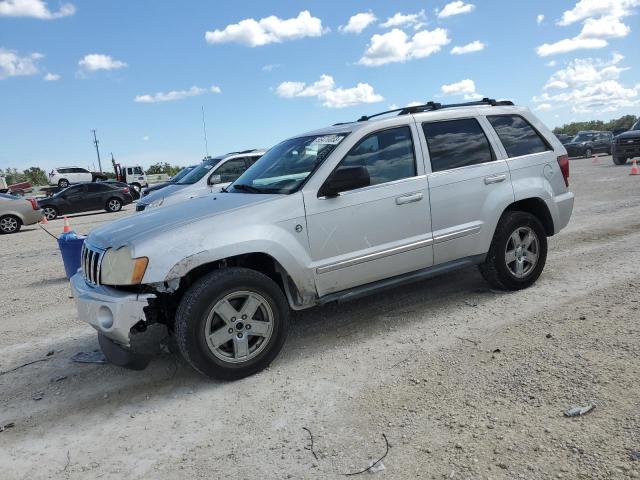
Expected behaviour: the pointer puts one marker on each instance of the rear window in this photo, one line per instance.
(517, 135)
(456, 143)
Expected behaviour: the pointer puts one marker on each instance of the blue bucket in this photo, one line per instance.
(70, 246)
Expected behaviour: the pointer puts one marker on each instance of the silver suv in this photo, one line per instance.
(328, 216)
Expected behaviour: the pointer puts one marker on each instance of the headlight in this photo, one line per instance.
(157, 203)
(118, 268)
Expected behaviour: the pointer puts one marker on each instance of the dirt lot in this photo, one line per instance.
(464, 382)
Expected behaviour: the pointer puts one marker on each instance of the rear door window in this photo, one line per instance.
(231, 170)
(517, 135)
(456, 143)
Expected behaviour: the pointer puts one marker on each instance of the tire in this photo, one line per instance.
(63, 183)
(113, 205)
(496, 269)
(619, 160)
(588, 153)
(198, 313)
(50, 212)
(9, 224)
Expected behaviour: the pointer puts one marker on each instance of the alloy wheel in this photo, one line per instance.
(114, 205)
(239, 326)
(521, 252)
(8, 224)
(50, 213)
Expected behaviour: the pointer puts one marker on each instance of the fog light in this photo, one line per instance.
(105, 317)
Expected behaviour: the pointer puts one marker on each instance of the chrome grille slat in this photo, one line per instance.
(91, 262)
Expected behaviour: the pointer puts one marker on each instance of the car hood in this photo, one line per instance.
(157, 186)
(629, 134)
(147, 224)
(163, 192)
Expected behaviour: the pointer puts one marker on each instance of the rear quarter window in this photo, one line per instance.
(517, 135)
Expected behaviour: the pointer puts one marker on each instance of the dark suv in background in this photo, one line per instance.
(627, 145)
(589, 142)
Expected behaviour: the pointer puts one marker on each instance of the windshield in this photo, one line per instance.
(181, 174)
(285, 167)
(636, 126)
(198, 172)
(138, 171)
(583, 137)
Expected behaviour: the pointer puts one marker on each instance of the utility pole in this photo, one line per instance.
(95, 142)
(204, 129)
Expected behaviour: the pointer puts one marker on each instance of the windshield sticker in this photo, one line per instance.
(327, 140)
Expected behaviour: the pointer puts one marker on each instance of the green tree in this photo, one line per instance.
(36, 176)
(163, 167)
(623, 123)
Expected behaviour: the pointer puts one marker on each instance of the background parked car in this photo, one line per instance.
(178, 176)
(65, 176)
(626, 145)
(85, 198)
(587, 143)
(17, 211)
(564, 138)
(135, 194)
(212, 175)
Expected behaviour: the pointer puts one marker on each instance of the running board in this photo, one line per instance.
(406, 278)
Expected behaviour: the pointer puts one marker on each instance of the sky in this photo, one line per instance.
(141, 72)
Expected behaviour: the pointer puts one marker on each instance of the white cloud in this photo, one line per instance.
(358, 22)
(543, 107)
(601, 20)
(592, 8)
(400, 19)
(271, 67)
(395, 46)
(551, 63)
(254, 33)
(475, 46)
(325, 90)
(456, 8)
(466, 88)
(97, 61)
(145, 138)
(51, 77)
(589, 84)
(175, 95)
(540, 19)
(13, 65)
(34, 9)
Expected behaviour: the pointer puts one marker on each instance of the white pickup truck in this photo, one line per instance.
(327, 216)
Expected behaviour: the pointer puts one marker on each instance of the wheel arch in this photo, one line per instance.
(538, 208)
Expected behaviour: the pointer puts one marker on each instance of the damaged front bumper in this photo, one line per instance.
(112, 312)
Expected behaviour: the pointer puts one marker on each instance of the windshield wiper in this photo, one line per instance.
(246, 188)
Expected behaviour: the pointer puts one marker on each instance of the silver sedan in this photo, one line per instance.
(17, 211)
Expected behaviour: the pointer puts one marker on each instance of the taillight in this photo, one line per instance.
(563, 162)
(125, 190)
(34, 203)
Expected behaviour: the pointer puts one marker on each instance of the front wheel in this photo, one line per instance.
(114, 205)
(588, 153)
(518, 252)
(232, 323)
(51, 213)
(9, 224)
(619, 160)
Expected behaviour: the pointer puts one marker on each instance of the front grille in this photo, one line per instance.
(624, 142)
(91, 263)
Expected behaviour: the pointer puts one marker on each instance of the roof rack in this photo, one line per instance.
(430, 106)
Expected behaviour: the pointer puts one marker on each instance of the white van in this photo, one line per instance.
(211, 176)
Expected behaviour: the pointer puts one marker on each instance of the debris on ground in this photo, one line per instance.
(50, 352)
(58, 379)
(89, 357)
(37, 396)
(578, 411)
(25, 365)
(377, 468)
(373, 464)
(468, 340)
(310, 447)
(634, 455)
(471, 303)
(7, 426)
(549, 335)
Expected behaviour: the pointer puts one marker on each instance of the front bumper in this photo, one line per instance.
(626, 149)
(110, 311)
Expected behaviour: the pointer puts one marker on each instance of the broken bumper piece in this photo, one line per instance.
(110, 311)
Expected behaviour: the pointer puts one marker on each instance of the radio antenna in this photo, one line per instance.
(204, 129)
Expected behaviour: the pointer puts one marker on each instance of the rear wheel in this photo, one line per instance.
(114, 205)
(232, 323)
(50, 212)
(588, 153)
(10, 224)
(619, 160)
(63, 183)
(518, 252)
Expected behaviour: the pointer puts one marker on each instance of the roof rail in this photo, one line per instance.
(430, 106)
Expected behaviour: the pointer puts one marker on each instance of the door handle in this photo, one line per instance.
(412, 197)
(494, 179)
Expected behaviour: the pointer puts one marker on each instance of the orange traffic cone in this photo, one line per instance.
(44, 221)
(634, 168)
(67, 226)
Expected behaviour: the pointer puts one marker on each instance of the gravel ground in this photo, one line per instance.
(463, 381)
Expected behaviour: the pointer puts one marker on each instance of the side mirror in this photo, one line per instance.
(345, 179)
(213, 179)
